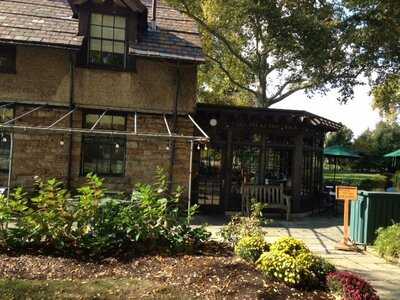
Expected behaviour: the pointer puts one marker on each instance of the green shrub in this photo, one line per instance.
(291, 262)
(387, 242)
(239, 227)
(92, 224)
(250, 248)
(289, 246)
(396, 180)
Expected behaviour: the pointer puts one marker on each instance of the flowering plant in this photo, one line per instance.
(350, 287)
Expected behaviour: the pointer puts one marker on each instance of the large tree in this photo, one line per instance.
(265, 51)
(343, 137)
(386, 98)
(375, 37)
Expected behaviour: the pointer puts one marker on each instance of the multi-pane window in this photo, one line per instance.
(104, 155)
(107, 42)
(5, 141)
(7, 59)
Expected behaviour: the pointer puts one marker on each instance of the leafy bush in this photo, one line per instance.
(396, 180)
(250, 248)
(289, 246)
(93, 224)
(290, 261)
(387, 242)
(240, 227)
(349, 286)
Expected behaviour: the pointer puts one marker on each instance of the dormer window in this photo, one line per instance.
(107, 41)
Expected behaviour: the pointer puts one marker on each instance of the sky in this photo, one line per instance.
(357, 114)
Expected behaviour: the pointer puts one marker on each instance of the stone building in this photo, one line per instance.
(109, 87)
(96, 86)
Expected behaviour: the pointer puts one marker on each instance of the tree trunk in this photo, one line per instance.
(262, 92)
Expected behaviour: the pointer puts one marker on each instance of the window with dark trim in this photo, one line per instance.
(107, 41)
(8, 56)
(5, 141)
(104, 155)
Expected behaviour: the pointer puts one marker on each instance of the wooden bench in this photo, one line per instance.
(272, 195)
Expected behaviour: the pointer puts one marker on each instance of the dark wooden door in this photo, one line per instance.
(211, 179)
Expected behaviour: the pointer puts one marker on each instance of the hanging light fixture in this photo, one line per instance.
(62, 143)
(117, 146)
(198, 147)
(4, 139)
(205, 147)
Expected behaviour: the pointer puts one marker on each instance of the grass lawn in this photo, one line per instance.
(364, 181)
(89, 289)
(356, 176)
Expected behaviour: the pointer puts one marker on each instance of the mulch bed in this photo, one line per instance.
(216, 274)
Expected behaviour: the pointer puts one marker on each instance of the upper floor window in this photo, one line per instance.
(7, 59)
(107, 41)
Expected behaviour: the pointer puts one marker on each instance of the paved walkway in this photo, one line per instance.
(321, 235)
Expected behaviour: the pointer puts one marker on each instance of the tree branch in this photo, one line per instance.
(234, 81)
(217, 34)
(290, 92)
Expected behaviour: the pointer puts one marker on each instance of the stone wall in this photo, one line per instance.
(42, 154)
(43, 75)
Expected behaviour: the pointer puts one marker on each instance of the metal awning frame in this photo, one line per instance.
(9, 125)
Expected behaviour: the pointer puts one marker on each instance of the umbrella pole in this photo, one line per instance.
(334, 172)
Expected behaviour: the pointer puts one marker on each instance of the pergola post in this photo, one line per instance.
(297, 169)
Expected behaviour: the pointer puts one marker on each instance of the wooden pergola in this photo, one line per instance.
(260, 147)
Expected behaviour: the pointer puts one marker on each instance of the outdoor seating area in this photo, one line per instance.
(271, 195)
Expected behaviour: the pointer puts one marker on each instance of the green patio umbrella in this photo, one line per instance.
(394, 155)
(338, 152)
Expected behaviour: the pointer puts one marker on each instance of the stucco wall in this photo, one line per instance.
(151, 87)
(43, 75)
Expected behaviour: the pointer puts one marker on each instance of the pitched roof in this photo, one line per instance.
(39, 22)
(176, 36)
(51, 23)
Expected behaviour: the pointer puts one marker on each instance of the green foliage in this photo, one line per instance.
(239, 227)
(291, 262)
(375, 144)
(396, 180)
(289, 246)
(387, 98)
(362, 181)
(387, 242)
(92, 224)
(265, 51)
(250, 248)
(343, 137)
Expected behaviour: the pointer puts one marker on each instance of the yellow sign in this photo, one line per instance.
(346, 193)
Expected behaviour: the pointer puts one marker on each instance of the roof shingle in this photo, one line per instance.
(51, 22)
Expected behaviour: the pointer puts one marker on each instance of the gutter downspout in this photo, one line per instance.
(71, 120)
(174, 126)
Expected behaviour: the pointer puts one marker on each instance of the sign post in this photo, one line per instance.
(346, 194)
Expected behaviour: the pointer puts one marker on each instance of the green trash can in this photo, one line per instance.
(371, 211)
